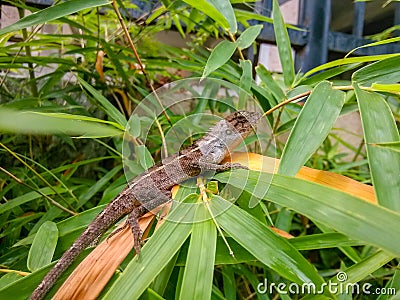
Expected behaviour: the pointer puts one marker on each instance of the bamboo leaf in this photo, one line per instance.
(108, 108)
(210, 10)
(395, 146)
(155, 254)
(25, 198)
(359, 219)
(144, 156)
(198, 276)
(270, 83)
(390, 88)
(367, 266)
(384, 71)
(379, 127)
(383, 42)
(219, 56)
(311, 127)
(53, 13)
(248, 36)
(349, 60)
(43, 246)
(271, 249)
(30, 122)
(283, 43)
(245, 82)
(226, 9)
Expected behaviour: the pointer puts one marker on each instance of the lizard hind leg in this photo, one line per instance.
(133, 219)
(132, 222)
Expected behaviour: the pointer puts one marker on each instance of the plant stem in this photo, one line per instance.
(283, 103)
(28, 53)
(55, 203)
(132, 45)
(234, 40)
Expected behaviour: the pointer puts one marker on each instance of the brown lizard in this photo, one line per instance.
(152, 188)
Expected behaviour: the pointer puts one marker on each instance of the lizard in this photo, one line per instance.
(153, 187)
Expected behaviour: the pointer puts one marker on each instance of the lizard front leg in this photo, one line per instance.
(219, 168)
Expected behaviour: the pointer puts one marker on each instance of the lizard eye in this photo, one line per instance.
(228, 132)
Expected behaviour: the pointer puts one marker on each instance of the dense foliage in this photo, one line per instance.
(66, 96)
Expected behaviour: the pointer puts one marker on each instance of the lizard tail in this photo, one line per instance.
(51, 278)
(82, 242)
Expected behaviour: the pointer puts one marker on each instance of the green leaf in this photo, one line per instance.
(53, 13)
(283, 43)
(198, 276)
(245, 82)
(384, 71)
(322, 241)
(366, 267)
(22, 289)
(9, 278)
(219, 56)
(394, 146)
(144, 156)
(134, 127)
(327, 74)
(383, 42)
(25, 198)
(244, 16)
(248, 36)
(390, 88)
(270, 83)
(311, 127)
(30, 122)
(379, 126)
(43, 246)
(226, 9)
(210, 10)
(349, 60)
(358, 219)
(271, 249)
(155, 254)
(108, 108)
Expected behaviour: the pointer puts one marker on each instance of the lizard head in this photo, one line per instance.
(227, 134)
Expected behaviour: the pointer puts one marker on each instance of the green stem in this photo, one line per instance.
(28, 53)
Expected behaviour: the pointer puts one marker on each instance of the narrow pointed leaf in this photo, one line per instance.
(226, 9)
(270, 83)
(359, 220)
(248, 36)
(245, 82)
(384, 71)
(43, 246)
(219, 56)
(379, 127)
(271, 249)
(30, 122)
(395, 146)
(155, 254)
(108, 108)
(312, 127)
(210, 10)
(198, 277)
(53, 13)
(283, 43)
